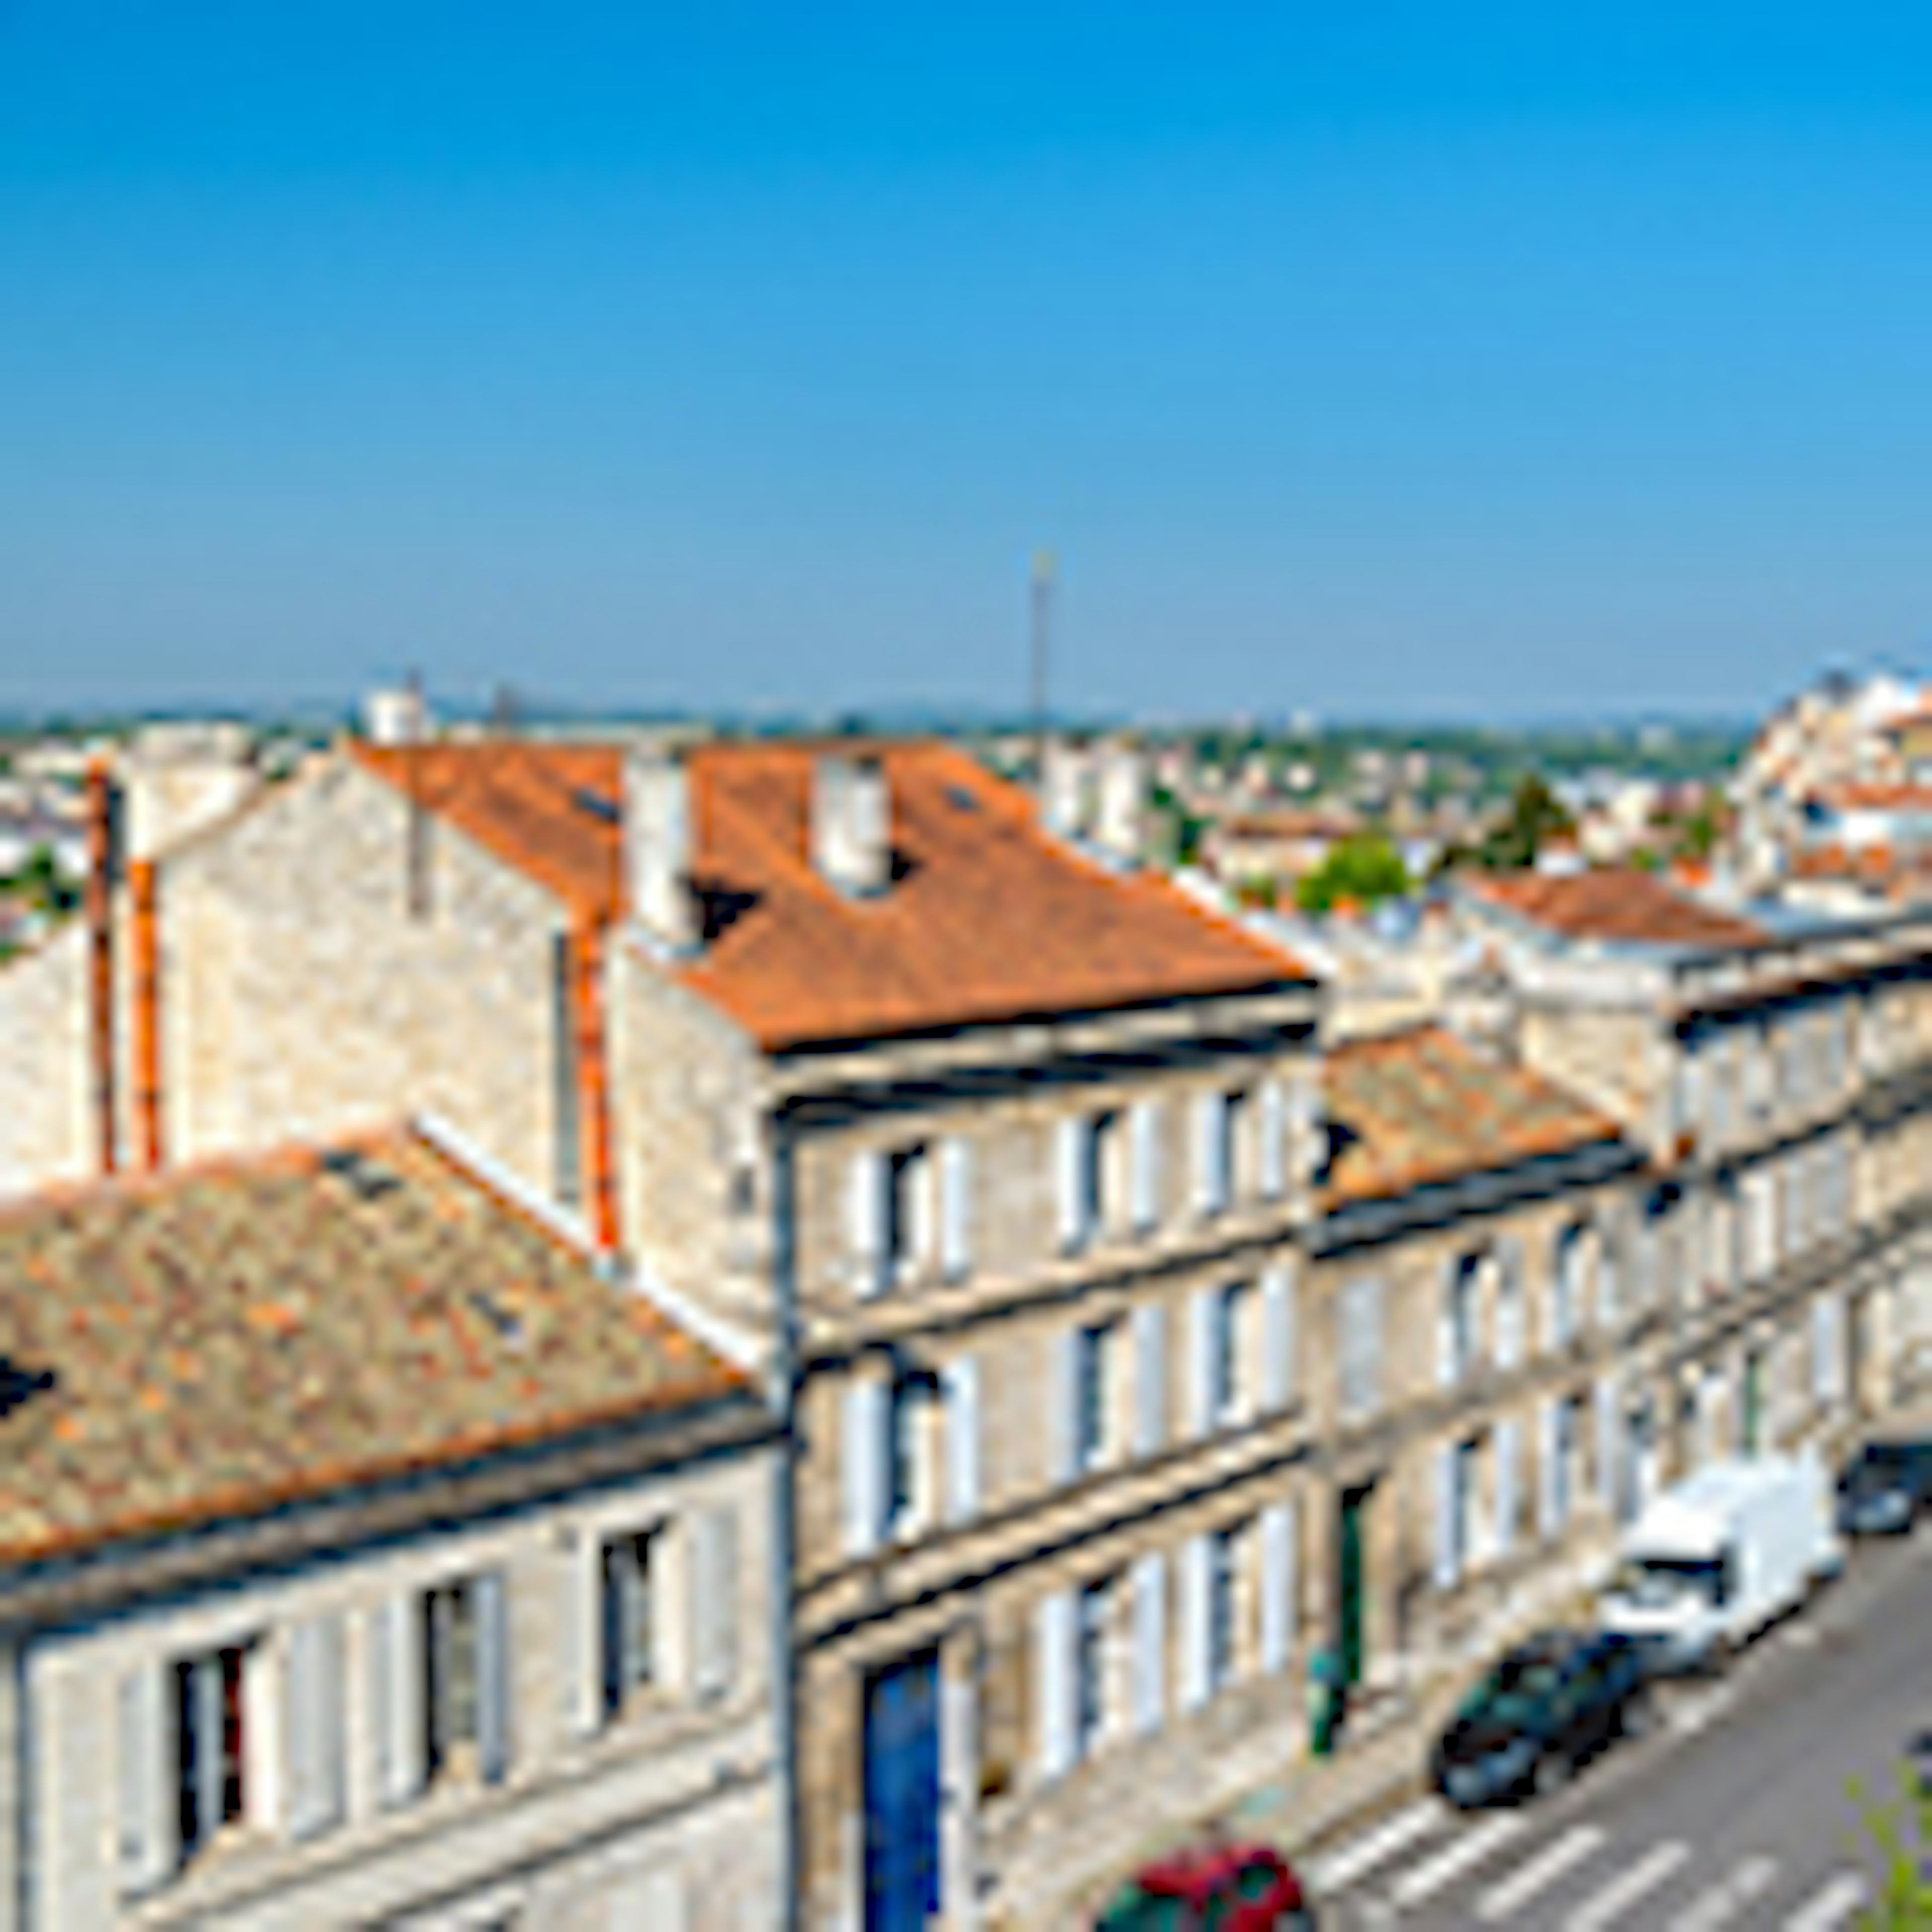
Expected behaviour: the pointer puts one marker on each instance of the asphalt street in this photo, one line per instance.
(1733, 1813)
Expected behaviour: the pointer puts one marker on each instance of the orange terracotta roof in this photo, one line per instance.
(987, 918)
(1424, 1106)
(1613, 904)
(1875, 797)
(235, 1337)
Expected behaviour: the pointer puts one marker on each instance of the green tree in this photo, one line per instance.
(1535, 814)
(1365, 868)
(1901, 1833)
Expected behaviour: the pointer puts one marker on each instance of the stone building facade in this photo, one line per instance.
(367, 1558)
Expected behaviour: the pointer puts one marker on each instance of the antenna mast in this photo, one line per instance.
(1043, 616)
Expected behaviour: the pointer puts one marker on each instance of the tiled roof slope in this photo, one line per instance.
(987, 919)
(227, 1339)
(1421, 1106)
(1613, 905)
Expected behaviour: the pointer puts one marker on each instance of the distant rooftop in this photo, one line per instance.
(1613, 906)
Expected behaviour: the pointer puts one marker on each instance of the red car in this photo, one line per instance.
(1214, 1888)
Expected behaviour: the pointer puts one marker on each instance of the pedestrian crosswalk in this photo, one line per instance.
(1429, 1864)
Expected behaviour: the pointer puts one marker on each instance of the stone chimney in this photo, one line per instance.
(396, 715)
(658, 848)
(1120, 824)
(851, 823)
(176, 778)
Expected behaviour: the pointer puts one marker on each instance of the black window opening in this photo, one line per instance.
(210, 1754)
(452, 1714)
(629, 1619)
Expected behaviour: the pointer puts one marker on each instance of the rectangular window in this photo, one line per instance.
(908, 1214)
(210, 1746)
(452, 1707)
(910, 1498)
(629, 1619)
(1236, 1181)
(1224, 1551)
(1467, 1539)
(1093, 1665)
(1096, 1393)
(1231, 1354)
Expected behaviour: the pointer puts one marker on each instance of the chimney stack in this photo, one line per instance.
(657, 847)
(851, 823)
(103, 865)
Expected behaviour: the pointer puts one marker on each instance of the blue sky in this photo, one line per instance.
(1405, 360)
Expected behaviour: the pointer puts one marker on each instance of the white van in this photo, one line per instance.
(1714, 1559)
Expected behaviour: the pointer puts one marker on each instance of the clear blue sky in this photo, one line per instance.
(1457, 360)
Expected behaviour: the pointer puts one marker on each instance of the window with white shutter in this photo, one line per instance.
(1359, 1309)
(1070, 1167)
(712, 1575)
(1056, 1636)
(1144, 1184)
(1196, 1633)
(1278, 1581)
(396, 1696)
(1610, 1446)
(1550, 1478)
(1278, 1336)
(956, 1207)
(1448, 1516)
(1203, 1334)
(314, 1728)
(144, 1749)
(1210, 1148)
(1505, 1270)
(1151, 1395)
(1272, 1128)
(1508, 1440)
(869, 1189)
(1149, 1640)
(863, 1453)
(491, 1590)
(961, 1382)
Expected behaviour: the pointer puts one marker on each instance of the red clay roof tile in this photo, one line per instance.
(1613, 904)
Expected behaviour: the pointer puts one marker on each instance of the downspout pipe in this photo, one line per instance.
(101, 857)
(784, 1402)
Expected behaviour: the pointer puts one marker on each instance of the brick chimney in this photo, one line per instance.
(658, 848)
(852, 823)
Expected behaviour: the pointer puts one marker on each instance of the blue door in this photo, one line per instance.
(902, 1747)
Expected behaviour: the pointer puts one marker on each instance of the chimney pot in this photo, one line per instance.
(851, 823)
(657, 847)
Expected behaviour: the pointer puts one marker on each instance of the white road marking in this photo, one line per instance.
(1804, 1636)
(1360, 1856)
(1694, 1714)
(1830, 1906)
(1511, 1894)
(1717, 1905)
(1422, 1881)
(1617, 1897)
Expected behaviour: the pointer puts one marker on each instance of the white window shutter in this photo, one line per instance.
(714, 1599)
(396, 1669)
(1278, 1377)
(864, 1455)
(1278, 1585)
(1549, 1475)
(961, 1381)
(1201, 1314)
(1057, 1635)
(1448, 1556)
(1609, 1446)
(1508, 1447)
(493, 1674)
(581, 1576)
(871, 1177)
(1208, 1177)
(1512, 1305)
(1149, 1615)
(1150, 1371)
(1826, 1355)
(314, 1728)
(145, 1746)
(1273, 1129)
(1197, 1635)
(1070, 1145)
(1063, 1429)
(1446, 1363)
(955, 1205)
(1144, 1132)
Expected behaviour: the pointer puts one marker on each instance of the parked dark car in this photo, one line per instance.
(1884, 1487)
(1212, 1888)
(1544, 1708)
